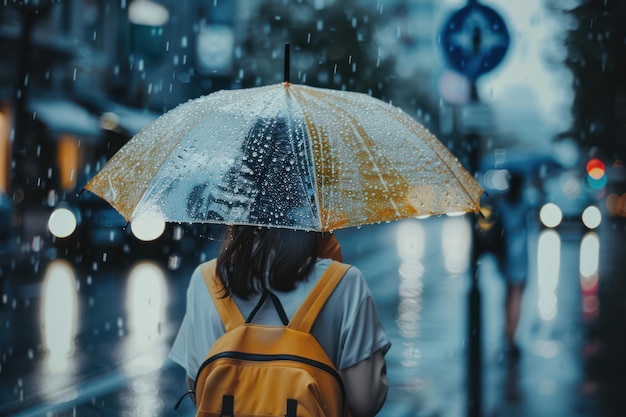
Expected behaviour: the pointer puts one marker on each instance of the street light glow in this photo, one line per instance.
(592, 217)
(147, 13)
(548, 271)
(550, 215)
(59, 313)
(147, 226)
(62, 222)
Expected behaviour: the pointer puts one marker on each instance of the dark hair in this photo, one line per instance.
(252, 256)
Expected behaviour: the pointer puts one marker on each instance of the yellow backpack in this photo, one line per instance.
(259, 370)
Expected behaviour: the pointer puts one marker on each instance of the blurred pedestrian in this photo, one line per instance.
(348, 327)
(513, 210)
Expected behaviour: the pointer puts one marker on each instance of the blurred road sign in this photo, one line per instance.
(474, 40)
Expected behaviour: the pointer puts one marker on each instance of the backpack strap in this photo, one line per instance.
(226, 307)
(304, 318)
(277, 305)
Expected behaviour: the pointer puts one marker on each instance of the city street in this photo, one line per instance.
(92, 340)
(131, 131)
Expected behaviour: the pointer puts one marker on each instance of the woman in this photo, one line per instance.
(513, 260)
(348, 327)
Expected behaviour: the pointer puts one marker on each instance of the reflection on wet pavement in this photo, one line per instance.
(94, 341)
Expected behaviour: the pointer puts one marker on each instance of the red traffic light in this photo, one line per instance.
(595, 168)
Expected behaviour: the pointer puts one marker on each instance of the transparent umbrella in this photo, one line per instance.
(285, 155)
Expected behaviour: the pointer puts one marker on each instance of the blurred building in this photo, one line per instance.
(148, 56)
(80, 77)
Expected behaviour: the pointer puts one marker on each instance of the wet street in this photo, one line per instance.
(92, 340)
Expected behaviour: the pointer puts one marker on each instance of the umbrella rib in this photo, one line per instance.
(171, 150)
(309, 163)
(112, 188)
(248, 139)
(261, 112)
(310, 167)
(358, 129)
(297, 93)
(458, 180)
(443, 161)
(438, 154)
(163, 161)
(180, 136)
(113, 201)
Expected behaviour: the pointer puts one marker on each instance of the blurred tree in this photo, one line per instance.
(597, 58)
(342, 45)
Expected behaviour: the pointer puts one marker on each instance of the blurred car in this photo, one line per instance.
(87, 228)
(565, 200)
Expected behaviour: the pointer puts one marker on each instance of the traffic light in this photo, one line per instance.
(596, 174)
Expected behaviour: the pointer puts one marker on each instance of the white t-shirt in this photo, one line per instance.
(348, 326)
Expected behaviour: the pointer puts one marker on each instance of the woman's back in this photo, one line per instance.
(348, 327)
(348, 311)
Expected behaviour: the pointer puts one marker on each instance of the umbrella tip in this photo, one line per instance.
(286, 69)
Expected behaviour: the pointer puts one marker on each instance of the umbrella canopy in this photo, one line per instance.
(285, 155)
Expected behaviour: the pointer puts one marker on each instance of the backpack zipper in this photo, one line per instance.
(259, 357)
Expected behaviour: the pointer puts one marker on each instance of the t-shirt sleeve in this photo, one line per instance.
(350, 321)
(197, 333)
(364, 336)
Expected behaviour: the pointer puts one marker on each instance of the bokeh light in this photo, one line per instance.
(592, 217)
(59, 313)
(550, 215)
(616, 204)
(596, 174)
(548, 271)
(62, 222)
(148, 226)
(595, 168)
(496, 179)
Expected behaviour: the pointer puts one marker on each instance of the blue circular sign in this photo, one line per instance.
(474, 40)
